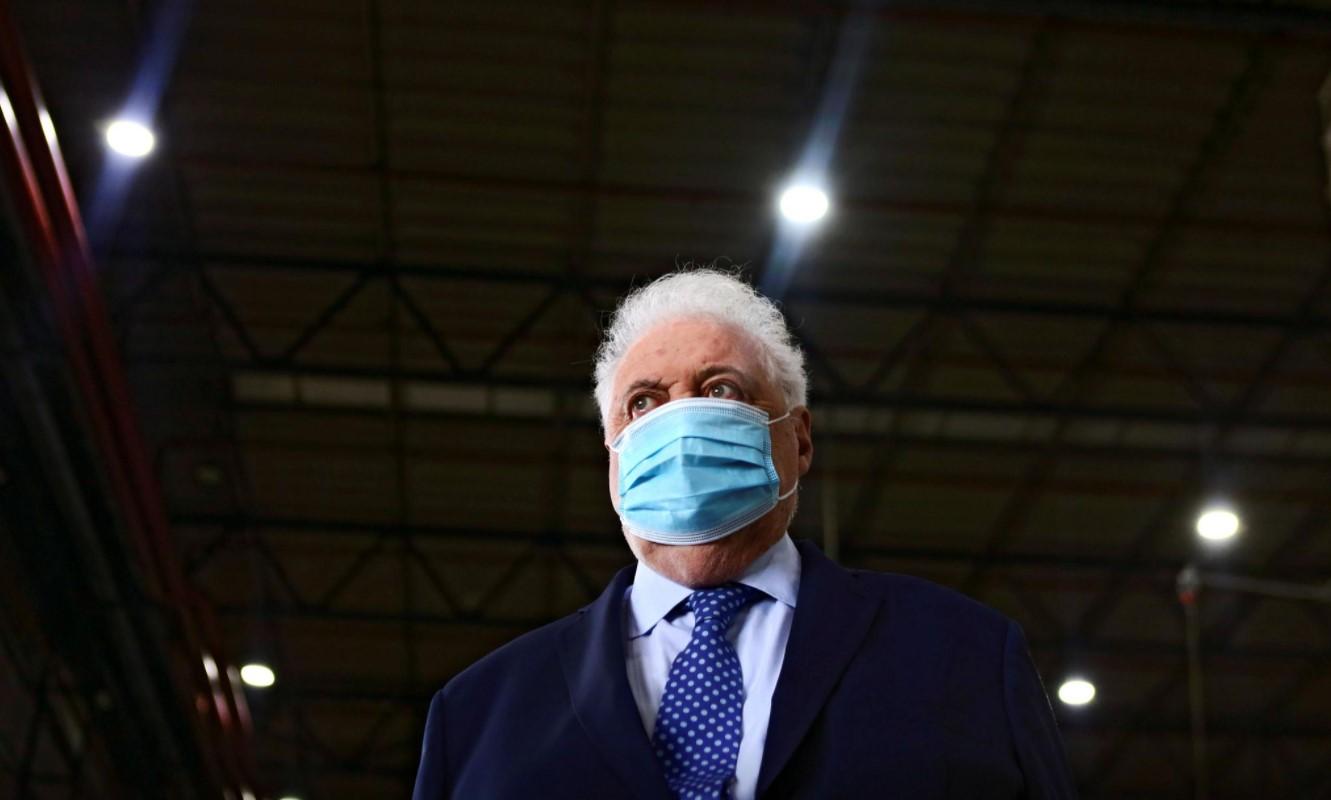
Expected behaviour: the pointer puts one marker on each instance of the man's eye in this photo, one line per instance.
(723, 391)
(641, 405)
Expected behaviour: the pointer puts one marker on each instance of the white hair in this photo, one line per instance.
(714, 294)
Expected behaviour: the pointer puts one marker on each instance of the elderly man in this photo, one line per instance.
(732, 662)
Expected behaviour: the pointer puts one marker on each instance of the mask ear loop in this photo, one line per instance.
(796, 487)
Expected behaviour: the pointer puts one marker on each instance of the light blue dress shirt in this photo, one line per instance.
(758, 633)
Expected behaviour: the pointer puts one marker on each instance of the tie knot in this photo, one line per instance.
(721, 603)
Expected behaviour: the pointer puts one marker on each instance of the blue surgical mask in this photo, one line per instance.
(696, 470)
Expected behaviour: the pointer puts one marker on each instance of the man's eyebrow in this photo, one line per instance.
(718, 369)
(641, 383)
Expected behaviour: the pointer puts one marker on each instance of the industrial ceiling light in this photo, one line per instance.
(1218, 524)
(803, 204)
(130, 138)
(260, 676)
(1076, 691)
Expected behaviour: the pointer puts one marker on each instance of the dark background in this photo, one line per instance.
(1074, 285)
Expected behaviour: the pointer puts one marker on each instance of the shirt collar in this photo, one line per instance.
(776, 573)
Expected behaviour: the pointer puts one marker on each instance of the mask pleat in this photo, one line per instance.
(697, 473)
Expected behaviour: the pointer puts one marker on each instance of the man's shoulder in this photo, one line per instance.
(922, 603)
(531, 655)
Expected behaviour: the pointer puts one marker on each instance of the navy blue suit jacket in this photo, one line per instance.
(891, 686)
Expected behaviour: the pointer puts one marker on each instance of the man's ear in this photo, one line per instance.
(803, 437)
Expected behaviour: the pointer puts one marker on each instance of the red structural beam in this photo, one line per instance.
(50, 224)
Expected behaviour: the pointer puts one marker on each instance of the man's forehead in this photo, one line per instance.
(688, 346)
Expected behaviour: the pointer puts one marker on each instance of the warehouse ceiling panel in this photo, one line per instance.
(1073, 286)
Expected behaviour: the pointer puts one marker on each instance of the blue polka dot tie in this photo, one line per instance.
(698, 726)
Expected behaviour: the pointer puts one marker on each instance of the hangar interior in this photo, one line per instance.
(314, 391)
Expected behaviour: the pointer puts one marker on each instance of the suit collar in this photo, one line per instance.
(775, 573)
(651, 598)
(832, 617)
(831, 620)
(592, 656)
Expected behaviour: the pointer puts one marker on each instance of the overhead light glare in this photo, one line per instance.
(804, 204)
(1076, 691)
(260, 676)
(130, 138)
(1218, 524)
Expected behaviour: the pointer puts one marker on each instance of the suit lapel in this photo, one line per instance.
(593, 659)
(831, 619)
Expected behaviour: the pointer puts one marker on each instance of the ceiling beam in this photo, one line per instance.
(886, 299)
(611, 543)
(1189, 18)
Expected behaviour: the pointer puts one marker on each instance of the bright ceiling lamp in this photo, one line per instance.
(1218, 524)
(130, 138)
(1076, 691)
(803, 204)
(260, 676)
